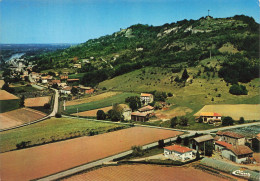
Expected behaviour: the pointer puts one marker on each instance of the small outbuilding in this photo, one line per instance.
(198, 143)
(238, 154)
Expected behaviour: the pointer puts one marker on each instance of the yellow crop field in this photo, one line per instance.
(92, 98)
(248, 111)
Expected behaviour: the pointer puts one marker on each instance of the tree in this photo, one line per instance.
(186, 141)
(197, 155)
(209, 148)
(101, 115)
(184, 121)
(74, 91)
(21, 103)
(185, 75)
(200, 120)
(134, 102)
(58, 115)
(174, 122)
(237, 89)
(137, 151)
(115, 114)
(55, 86)
(47, 106)
(227, 121)
(179, 140)
(241, 120)
(170, 94)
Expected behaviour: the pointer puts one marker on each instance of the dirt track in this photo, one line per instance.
(44, 160)
(145, 172)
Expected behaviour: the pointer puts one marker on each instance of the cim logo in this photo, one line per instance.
(241, 173)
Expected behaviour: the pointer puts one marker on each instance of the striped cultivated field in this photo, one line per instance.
(145, 172)
(248, 111)
(37, 101)
(40, 161)
(18, 117)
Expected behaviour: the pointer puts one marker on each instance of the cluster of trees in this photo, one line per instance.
(238, 69)
(114, 114)
(227, 121)
(133, 102)
(237, 89)
(182, 121)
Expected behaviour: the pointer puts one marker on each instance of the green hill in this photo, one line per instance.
(176, 45)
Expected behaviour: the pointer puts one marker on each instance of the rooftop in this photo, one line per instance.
(210, 114)
(203, 138)
(146, 108)
(145, 95)
(223, 143)
(139, 114)
(230, 134)
(240, 150)
(178, 148)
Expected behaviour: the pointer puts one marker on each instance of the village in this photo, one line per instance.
(227, 147)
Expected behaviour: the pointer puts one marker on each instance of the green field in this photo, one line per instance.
(9, 105)
(119, 98)
(76, 76)
(52, 129)
(21, 89)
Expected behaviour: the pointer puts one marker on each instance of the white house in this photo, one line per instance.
(146, 98)
(210, 117)
(66, 90)
(127, 113)
(238, 154)
(177, 152)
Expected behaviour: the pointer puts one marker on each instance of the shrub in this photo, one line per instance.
(137, 151)
(47, 106)
(227, 121)
(101, 115)
(241, 120)
(237, 89)
(173, 122)
(200, 120)
(170, 94)
(179, 140)
(183, 121)
(58, 115)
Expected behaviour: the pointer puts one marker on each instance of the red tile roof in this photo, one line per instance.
(223, 143)
(145, 95)
(146, 108)
(210, 114)
(178, 148)
(240, 150)
(71, 80)
(230, 134)
(139, 114)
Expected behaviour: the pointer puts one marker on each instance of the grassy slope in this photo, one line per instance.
(119, 98)
(193, 96)
(9, 105)
(61, 128)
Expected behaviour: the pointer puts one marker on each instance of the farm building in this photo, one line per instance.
(146, 98)
(220, 145)
(198, 143)
(127, 113)
(64, 77)
(137, 116)
(177, 152)
(231, 138)
(86, 90)
(210, 117)
(238, 154)
(66, 90)
(146, 109)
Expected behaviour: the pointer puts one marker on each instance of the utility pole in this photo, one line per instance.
(208, 12)
(64, 105)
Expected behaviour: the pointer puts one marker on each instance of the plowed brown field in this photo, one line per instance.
(18, 117)
(44, 160)
(37, 101)
(145, 172)
(6, 95)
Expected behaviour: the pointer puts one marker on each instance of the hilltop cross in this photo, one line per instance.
(208, 12)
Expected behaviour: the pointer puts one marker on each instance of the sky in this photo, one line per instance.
(76, 21)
